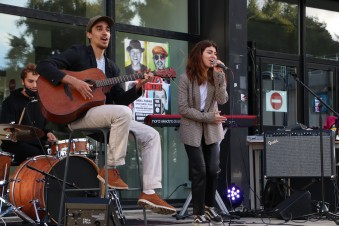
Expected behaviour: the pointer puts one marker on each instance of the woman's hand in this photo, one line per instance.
(216, 67)
(218, 118)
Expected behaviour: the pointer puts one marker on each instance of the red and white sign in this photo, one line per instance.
(276, 101)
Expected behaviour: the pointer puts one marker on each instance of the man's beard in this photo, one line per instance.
(31, 93)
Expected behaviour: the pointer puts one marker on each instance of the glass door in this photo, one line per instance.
(278, 92)
(320, 79)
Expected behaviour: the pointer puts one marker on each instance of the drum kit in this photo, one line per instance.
(35, 187)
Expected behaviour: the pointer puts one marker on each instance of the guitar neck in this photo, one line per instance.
(163, 73)
(116, 80)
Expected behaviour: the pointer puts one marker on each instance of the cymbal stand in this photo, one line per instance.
(3, 183)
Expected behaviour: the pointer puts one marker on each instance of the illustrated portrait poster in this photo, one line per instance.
(155, 56)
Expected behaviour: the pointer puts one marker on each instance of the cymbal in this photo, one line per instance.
(15, 132)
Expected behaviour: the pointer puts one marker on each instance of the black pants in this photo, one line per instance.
(203, 172)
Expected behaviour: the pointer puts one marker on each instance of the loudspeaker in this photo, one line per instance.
(297, 154)
(296, 206)
(90, 211)
(315, 187)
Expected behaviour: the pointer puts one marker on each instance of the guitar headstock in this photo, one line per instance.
(166, 73)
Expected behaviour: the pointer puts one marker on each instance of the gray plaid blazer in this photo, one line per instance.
(194, 123)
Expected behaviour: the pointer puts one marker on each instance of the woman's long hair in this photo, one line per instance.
(195, 69)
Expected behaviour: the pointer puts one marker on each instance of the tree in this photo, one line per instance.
(279, 19)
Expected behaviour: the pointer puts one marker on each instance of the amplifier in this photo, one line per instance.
(90, 211)
(297, 153)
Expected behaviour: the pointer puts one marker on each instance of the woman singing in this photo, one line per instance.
(201, 89)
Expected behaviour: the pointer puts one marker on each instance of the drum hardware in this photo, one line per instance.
(113, 196)
(3, 184)
(35, 201)
(16, 210)
(15, 132)
(6, 160)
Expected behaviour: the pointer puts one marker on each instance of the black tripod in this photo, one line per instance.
(323, 210)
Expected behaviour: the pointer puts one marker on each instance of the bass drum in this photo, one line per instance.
(29, 185)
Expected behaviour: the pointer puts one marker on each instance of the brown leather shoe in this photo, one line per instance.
(155, 204)
(114, 180)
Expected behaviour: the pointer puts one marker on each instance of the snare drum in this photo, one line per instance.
(80, 146)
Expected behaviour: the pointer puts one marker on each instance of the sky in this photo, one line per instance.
(331, 19)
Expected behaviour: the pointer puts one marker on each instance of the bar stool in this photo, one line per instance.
(108, 192)
(105, 132)
(137, 155)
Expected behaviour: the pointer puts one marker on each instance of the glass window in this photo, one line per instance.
(273, 25)
(321, 83)
(173, 152)
(86, 8)
(279, 95)
(166, 15)
(26, 40)
(322, 27)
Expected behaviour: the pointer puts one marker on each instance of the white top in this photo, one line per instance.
(101, 64)
(203, 95)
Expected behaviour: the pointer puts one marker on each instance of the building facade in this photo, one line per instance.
(264, 43)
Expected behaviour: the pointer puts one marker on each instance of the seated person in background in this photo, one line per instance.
(22, 107)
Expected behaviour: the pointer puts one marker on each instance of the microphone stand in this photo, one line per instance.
(322, 209)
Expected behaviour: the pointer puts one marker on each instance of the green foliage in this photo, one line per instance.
(275, 28)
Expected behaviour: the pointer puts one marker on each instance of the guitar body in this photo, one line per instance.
(63, 104)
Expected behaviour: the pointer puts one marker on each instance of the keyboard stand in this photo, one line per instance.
(183, 213)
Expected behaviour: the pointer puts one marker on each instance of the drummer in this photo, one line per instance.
(21, 107)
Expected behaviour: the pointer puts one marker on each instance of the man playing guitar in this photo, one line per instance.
(118, 117)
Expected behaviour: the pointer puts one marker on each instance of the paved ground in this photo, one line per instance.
(169, 220)
(135, 218)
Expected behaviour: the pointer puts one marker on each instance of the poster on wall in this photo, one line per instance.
(317, 106)
(141, 56)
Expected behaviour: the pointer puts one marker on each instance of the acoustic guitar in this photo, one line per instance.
(63, 104)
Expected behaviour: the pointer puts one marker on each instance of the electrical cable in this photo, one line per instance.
(184, 184)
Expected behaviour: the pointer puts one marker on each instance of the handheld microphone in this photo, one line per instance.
(220, 65)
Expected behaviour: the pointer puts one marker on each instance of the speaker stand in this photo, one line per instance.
(183, 213)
